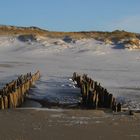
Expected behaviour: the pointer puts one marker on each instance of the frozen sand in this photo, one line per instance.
(116, 69)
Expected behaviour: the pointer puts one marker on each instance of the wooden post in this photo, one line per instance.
(1, 102)
(5, 102)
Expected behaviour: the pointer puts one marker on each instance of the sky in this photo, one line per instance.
(72, 15)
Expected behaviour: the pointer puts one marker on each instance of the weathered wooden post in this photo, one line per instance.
(83, 93)
(114, 105)
(90, 99)
(94, 98)
(11, 102)
(110, 100)
(1, 102)
(96, 101)
(87, 92)
(5, 102)
(118, 107)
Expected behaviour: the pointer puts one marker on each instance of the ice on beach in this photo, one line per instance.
(116, 69)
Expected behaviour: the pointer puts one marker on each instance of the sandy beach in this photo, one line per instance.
(58, 124)
(117, 70)
(70, 70)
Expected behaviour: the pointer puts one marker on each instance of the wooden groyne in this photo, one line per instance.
(12, 95)
(94, 95)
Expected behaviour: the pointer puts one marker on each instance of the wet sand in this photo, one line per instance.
(59, 124)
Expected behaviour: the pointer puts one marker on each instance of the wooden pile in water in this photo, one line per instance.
(12, 95)
(94, 95)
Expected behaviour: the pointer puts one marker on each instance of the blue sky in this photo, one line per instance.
(72, 15)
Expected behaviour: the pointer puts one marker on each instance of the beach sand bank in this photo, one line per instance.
(59, 124)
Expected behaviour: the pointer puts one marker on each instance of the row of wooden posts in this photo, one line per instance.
(94, 95)
(12, 95)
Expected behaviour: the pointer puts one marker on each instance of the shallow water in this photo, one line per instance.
(59, 90)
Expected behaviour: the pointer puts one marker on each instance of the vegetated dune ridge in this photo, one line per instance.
(14, 30)
(126, 39)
